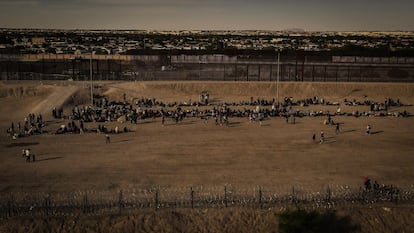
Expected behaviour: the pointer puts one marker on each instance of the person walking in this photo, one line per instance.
(337, 128)
(108, 139)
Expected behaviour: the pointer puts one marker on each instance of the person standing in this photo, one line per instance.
(108, 139)
(81, 127)
(27, 154)
(368, 129)
(367, 183)
(322, 137)
(337, 128)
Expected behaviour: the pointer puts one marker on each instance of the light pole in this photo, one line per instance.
(91, 76)
(277, 78)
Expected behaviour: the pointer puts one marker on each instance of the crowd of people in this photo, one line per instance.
(149, 108)
(146, 108)
(33, 124)
(376, 188)
(105, 111)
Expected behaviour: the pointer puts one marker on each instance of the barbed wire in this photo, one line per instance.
(94, 202)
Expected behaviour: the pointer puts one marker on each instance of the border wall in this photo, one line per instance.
(203, 68)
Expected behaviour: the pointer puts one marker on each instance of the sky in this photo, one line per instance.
(310, 15)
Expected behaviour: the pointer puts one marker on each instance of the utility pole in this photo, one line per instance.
(278, 74)
(91, 76)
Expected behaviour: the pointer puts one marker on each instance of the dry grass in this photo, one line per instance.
(369, 220)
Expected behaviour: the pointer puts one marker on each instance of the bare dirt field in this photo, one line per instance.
(196, 153)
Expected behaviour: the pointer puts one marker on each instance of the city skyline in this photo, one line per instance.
(319, 15)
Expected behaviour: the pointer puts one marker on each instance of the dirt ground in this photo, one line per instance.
(195, 153)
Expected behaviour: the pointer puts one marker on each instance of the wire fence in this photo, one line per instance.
(124, 201)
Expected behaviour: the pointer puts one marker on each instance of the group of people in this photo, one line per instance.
(329, 121)
(106, 111)
(33, 124)
(376, 188)
(368, 186)
(123, 111)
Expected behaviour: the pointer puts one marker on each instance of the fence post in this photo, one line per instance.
(225, 196)
(47, 204)
(156, 200)
(10, 206)
(260, 198)
(362, 195)
(328, 195)
(192, 198)
(85, 203)
(397, 195)
(120, 202)
(294, 196)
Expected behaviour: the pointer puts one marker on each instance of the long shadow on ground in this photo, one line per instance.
(377, 132)
(50, 158)
(18, 144)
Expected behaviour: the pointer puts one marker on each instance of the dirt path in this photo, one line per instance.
(56, 99)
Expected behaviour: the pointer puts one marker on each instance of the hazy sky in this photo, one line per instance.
(209, 14)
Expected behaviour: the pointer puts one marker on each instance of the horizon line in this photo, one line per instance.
(217, 30)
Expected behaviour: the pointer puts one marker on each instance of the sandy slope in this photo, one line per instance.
(231, 91)
(19, 99)
(56, 99)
